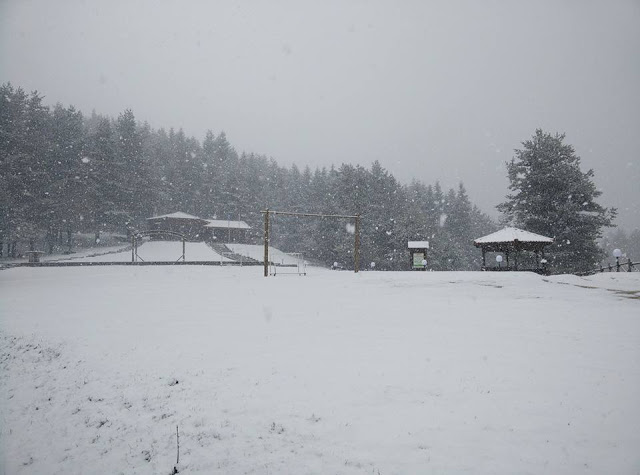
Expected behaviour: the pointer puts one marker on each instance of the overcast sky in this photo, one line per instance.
(434, 90)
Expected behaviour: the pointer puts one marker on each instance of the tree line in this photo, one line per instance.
(62, 173)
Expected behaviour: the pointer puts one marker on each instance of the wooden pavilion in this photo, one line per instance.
(227, 231)
(191, 227)
(512, 242)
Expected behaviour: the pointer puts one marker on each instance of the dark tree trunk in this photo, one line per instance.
(51, 240)
(69, 239)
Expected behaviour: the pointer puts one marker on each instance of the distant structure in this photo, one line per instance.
(197, 229)
(418, 254)
(220, 230)
(512, 242)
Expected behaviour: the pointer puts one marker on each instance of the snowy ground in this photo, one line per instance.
(256, 251)
(147, 251)
(333, 373)
(163, 251)
(86, 253)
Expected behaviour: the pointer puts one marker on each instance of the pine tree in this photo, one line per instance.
(103, 184)
(132, 169)
(551, 196)
(66, 201)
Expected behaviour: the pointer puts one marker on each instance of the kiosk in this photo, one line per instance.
(418, 254)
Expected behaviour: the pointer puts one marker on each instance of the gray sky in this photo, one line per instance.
(432, 89)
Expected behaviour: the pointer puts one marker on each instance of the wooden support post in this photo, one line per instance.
(484, 259)
(183, 247)
(133, 248)
(356, 253)
(266, 242)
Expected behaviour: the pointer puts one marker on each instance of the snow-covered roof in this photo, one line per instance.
(511, 235)
(418, 245)
(176, 215)
(224, 223)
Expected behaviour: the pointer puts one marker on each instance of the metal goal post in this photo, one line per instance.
(268, 213)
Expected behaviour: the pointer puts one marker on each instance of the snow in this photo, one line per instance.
(80, 253)
(176, 215)
(149, 251)
(511, 234)
(418, 245)
(255, 251)
(161, 251)
(336, 372)
(222, 223)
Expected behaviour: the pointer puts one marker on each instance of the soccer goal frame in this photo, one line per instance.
(267, 216)
(137, 237)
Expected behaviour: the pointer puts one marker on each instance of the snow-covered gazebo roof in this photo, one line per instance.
(512, 235)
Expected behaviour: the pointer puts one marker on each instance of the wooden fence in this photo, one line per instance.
(621, 267)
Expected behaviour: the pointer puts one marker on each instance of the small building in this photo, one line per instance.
(418, 254)
(512, 242)
(226, 231)
(188, 225)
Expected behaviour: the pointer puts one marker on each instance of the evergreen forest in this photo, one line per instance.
(63, 174)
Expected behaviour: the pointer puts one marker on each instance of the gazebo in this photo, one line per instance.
(224, 230)
(511, 242)
(182, 223)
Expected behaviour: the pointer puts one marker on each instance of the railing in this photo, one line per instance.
(618, 266)
(537, 270)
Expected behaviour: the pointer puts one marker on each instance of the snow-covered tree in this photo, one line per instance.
(551, 196)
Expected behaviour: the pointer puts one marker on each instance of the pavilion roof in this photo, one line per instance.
(176, 215)
(225, 223)
(511, 235)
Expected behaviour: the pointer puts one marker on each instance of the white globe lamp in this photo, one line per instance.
(617, 253)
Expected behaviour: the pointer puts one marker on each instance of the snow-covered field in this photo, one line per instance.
(256, 251)
(162, 251)
(333, 373)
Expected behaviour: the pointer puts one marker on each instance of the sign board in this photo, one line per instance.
(418, 257)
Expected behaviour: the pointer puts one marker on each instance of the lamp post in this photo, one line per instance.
(617, 253)
(499, 260)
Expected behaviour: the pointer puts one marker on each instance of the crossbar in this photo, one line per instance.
(316, 215)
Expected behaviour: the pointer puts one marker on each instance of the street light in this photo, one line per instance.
(617, 253)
